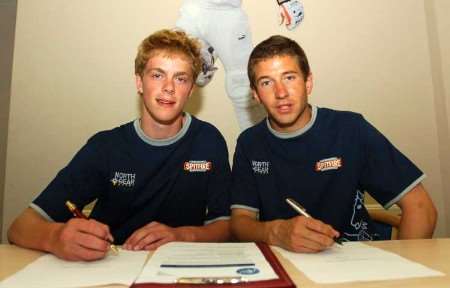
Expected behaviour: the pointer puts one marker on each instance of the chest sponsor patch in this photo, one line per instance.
(197, 166)
(123, 179)
(328, 164)
(260, 167)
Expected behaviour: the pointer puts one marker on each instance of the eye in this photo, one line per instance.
(264, 83)
(290, 77)
(156, 75)
(182, 79)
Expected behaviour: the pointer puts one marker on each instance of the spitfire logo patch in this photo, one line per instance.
(197, 166)
(328, 164)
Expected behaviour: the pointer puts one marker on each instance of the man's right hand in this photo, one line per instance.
(302, 234)
(80, 240)
(298, 234)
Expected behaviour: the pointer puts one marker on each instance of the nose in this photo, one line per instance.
(168, 87)
(280, 90)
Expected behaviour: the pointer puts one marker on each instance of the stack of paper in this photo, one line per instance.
(51, 272)
(182, 259)
(355, 261)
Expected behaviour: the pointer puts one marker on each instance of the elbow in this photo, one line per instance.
(227, 235)
(427, 211)
(419, 214)
(12, 232)
(237, 222)
(424, 220)
(432, 218)
(234, 228)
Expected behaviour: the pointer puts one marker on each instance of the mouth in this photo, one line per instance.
(284, 108)
(165, 102)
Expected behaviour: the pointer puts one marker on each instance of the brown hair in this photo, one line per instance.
(273, 46)
(169, 41)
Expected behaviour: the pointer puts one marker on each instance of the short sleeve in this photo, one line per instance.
(387, 174)
(80, 182)
(244, 192)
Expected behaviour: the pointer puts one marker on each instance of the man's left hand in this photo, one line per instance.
(151, 236)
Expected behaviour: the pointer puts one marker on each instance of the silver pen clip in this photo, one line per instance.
(211, 280)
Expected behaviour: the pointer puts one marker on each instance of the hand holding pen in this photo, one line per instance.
(299, 208)
(95, 231)
(304, 234)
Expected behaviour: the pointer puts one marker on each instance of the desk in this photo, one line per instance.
(434, 253)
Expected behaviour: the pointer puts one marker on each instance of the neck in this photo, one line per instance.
(158, 130)
(302, 120)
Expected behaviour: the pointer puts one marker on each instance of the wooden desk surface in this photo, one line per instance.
(434, 253)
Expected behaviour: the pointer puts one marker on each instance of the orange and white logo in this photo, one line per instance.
(328, 164)
(197, 166)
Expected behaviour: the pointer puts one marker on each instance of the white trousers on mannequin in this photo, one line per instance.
(224, 26)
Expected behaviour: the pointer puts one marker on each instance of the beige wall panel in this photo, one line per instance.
(7, 22)
(438, 11)
(442, 10)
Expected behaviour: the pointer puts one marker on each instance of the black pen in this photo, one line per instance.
(299, 208)
(78, 214)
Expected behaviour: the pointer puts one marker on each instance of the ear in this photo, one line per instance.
(139, 84)
(309, 84)
(192, 90)
(256, 96)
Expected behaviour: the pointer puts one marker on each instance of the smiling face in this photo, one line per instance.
(165, 85)
(283, 90)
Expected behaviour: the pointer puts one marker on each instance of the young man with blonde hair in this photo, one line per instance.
(160, 178)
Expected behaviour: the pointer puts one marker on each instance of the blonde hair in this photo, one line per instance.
(171, 42)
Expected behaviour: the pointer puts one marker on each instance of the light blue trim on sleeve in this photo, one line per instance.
(41, 212)
(217, 219)
(407, 189)
(238, 206)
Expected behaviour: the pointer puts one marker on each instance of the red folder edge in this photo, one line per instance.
(283, 281)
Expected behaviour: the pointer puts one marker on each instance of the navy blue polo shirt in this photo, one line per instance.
(179, 181)
(326, 166)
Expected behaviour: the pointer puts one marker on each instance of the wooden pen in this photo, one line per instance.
(78, 214)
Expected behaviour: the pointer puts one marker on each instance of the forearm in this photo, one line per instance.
(30, 230)
(218, 231)
(248, 229)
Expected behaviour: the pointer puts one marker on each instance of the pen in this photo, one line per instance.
(299, 208)
(78, 214)
(211, 280)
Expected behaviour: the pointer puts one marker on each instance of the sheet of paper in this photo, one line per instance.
(182, 259)
(51, 272)
(356, 261)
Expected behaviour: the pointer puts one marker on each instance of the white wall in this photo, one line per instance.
(73, 76)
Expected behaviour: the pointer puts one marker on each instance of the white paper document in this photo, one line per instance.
(355, 261)
(186, 259)
(51, 272)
